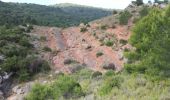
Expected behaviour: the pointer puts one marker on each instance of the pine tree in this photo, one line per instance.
(139, 2)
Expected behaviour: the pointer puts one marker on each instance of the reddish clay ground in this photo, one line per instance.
(82, 47)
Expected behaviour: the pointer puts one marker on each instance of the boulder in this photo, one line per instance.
(2, 57)
(86, 46)
(67, 61)
(20, 91)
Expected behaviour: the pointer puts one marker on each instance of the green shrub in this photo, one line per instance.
(130, 68)
(47, 49)
(135, 20)
(10, 64)
(24, 68)
(3, 43)
(43, 38)
(109, 43)
(109, 73)
(88, 25)
(109, 84)
(68, 87)
(139, 2)
(29, 28)
(144, 11)
(98, 54)
(103, 27)
(84, 73)
(19, 55)
(12, 50)
(64, 86)
(70, 61)
(124, 17)
(96, 74)
(94, 33)
(40, 92)
(25, 42)
(124, 42)
(44, 66)
(24, 75)
(114, 12)
(83, 29)
(113, 26)
(152, 44)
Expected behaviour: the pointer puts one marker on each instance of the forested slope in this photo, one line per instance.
(17, 13)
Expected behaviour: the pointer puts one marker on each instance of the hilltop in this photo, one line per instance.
(55, 15)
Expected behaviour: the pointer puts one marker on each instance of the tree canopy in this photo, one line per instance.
(16, 13)
(151, 38)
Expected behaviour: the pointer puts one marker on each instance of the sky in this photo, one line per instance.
(110, 4)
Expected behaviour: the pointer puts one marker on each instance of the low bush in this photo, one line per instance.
(103, 27)
(124, 42)
(109, 43)
(29, 28)
(114, 12)
(96, 74)
(144, 11)
(40, 92)
(135, 20)
(109, 73)
(124, 17)
(98, 54)
(139, 2)
(69, 61)
(25, 42)
(109, 66)
(64, 87)
(24, 68)
(19, 55)
(47, 49)
(88, 25)
(109, 84)
(83, 29)
(113, 26)
(43, 38)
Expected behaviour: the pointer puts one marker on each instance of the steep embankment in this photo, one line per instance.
(71, 44)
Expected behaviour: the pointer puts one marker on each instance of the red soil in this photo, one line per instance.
(73, 44)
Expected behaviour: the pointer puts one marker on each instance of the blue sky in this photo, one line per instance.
(118, 4)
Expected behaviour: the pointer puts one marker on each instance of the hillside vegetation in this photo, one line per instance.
(145, 77)
(17, 14)
(140, 72)
(151, 39)
(19, 55)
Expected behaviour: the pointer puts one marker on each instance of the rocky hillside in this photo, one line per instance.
(93, 47)
(123, 56)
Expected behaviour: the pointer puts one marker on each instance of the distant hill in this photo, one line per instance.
(61, 15)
